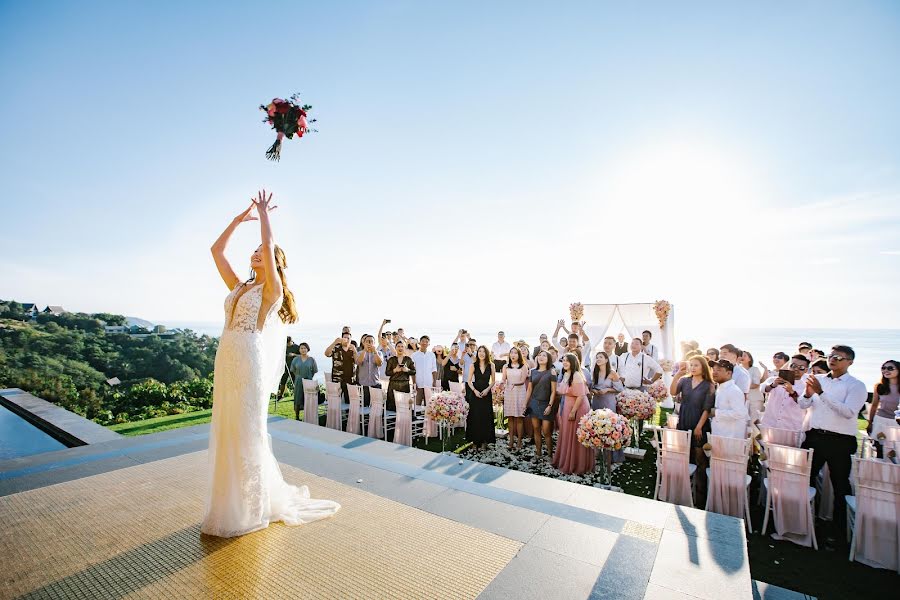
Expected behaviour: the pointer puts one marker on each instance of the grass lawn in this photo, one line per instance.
(823, 574)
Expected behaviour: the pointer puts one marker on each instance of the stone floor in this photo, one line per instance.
(121, 518)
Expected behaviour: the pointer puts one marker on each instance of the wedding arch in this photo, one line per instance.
(635, 318)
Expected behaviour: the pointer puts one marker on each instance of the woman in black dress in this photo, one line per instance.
(479, 395)
(697, 395)
(399, 368)
(451, 368)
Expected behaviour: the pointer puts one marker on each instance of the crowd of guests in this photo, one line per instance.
(550, 386)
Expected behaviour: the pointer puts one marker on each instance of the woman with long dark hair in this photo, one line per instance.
(480, 396)
(515, 374)
(697, 395)
(540, 397)
(885, 399)
(570, 456)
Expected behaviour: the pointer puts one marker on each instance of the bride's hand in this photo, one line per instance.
(262, 203)
(247, 215)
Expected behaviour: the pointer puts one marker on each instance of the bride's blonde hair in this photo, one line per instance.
(288, 310)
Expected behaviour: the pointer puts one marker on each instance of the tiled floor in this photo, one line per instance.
(122, 520)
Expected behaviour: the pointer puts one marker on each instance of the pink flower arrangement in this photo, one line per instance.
(576, 311)
(603, 429)
(447, 407)
(657, 390)
(287, 117)
(499, 389)
(662, 309)
(635, 404)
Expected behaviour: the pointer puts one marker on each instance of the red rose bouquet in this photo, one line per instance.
(287, 117)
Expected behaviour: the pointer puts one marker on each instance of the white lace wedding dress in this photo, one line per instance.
(246, 489)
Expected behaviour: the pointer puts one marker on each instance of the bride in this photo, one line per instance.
(247, 490)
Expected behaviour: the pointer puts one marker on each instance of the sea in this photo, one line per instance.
(872, 346)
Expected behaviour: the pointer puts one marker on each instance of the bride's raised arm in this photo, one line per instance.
(218, 248)
(272, 288)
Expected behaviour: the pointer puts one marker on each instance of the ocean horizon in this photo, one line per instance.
(872, 346)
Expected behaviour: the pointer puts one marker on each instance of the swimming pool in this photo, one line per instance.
(18, 437)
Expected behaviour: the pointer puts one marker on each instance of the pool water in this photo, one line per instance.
(18, 437)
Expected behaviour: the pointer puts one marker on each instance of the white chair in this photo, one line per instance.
(430, 428)
(459, 388)
(729, 483)
(675, 470)
(876, 530)
(310, 401)
(335, 406)
(890, 443)
(376, 413)
(357, 413)
(789, 495)
(774, 435)
(403, 427)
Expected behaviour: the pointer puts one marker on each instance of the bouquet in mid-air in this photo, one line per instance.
(288, 118)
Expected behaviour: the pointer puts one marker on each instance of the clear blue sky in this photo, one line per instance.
(719, 143)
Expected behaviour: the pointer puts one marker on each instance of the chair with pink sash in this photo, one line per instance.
(876, 531)
(335, 406)
(430, 427)
(774, 435)
(459, 388)
(403, 428)
(675, 470)
(790, 497)
(729, 482)
(356, 420)
(310, 401)
(376, 413)
(672, 421)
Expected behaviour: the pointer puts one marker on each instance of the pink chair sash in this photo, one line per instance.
(403, 424)
(877, 535)
(782, 437)
(459, 388)
(672, 421)
(675, 480)
(376, 413)
(355, 396)
(431, 428)
(333, 410)
(789, 487)
(727, 476)
(310, 401)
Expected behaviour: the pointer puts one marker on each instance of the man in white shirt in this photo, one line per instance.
(609, 346)
(731, 416)
(741, 376)
(648, 348)
(835, 400)
(783, 410)
(638, 369)
(426, 368)
(500, 350)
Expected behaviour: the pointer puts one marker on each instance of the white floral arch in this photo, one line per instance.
(634, 318)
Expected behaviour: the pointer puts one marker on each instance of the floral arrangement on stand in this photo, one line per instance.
(662, 309)
(576, 311)
(447, 409)
(636, 405)
(658, 391)
(287, 118)
(603, 430)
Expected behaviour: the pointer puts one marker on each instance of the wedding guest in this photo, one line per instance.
(779, 359)
(697, 395)
(805, 348)
(637, 368)
(462, 338)
(291, 351)
(400, 368)
(836, 400)
(578, 336)
(384, 347)
(303, 366)
(467, 359)
(343, 357)
(500, 351)
(570, 456)
(538, 348)
(730, 412)
(515, 374)
(479, 395)
(439, 356)
(815, 354)
(740, 375)
(621, 345)
(819, 367)
(557, 363)
(522, 345)
(368, 363)
(605, 383)
(451, 367)
(649, 348)
(426, 368)
(609, 347)
(782, 410)
(712, 355)
(540, 397)
(754, 396)
(885, 399)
